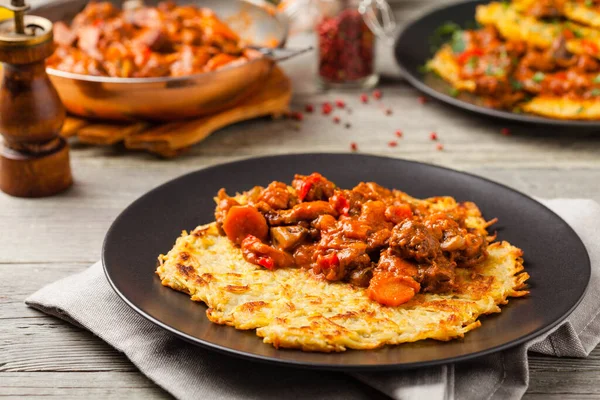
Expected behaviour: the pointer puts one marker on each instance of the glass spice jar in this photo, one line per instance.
(346, 42)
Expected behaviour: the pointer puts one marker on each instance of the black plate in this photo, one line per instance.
(554, 256)
(413, 50)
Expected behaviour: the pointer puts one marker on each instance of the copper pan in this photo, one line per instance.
(172, 98)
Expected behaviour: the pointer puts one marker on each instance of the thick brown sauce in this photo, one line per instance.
(369, 236)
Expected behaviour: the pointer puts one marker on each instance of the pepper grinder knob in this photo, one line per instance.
(34, 159)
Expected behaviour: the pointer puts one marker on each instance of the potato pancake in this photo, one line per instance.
(292, 307)
(517, 27)
(585, 14)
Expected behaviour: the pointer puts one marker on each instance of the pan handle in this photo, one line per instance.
(280, 53)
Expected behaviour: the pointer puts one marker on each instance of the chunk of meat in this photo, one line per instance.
(313, 187)
(301, 212)
(398, 213)
(154, 39)
(473, 252)
(277, 196)
(191, 61)
(360, 277)
(304, 255)
(89, 36)
(371, 191)
(256, 252)
(334, 265)
(437, 276)
(412, 239)
(63, 35)
(242, 221)
(373, 214)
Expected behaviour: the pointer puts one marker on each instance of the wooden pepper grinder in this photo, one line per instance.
(34, 159)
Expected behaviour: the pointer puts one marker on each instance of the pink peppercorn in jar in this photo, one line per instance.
(346, 33)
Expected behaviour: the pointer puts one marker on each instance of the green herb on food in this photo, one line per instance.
(472, 62)
(589, 3)
(595, 92)
(458, 42)
(454, 92)
(538, 77)
(425, 68)
(515, 84)
(442, 34)
(597, 79)
(580, 110)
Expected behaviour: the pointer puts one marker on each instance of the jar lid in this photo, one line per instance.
(371, 10)
(37, 30)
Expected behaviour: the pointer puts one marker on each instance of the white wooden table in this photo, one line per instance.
(45, 239)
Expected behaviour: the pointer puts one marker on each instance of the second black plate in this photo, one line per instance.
(413, 50)
(554, 256)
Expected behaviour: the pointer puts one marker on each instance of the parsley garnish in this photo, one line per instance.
(454, 92)
(597, 79)
(425, 68)
(595, 92)
(494, 71)
(589, 3)
(538, 77)
(472, 62)
(458, 42)
(515, 84)
(580, 110)
(442, 34)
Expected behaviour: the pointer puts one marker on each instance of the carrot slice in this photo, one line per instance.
(392, 290)
(242, 221)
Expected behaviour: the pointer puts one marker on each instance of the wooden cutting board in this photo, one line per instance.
(173, 138)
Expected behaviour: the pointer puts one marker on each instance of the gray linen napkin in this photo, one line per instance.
(190, 372)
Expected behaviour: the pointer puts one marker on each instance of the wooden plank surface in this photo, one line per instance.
(45, 239)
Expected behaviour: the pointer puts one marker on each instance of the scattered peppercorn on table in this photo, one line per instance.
(46, 239)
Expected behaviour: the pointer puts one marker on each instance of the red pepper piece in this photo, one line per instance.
(266, 262)
(297, 116)
(422, 99)
(377, 94)
(309, 108)
(465, 55)
(439, 147)
(353, 146)
(505, 131)
(341, 204)
(568, 34)
(590, 47)
(399, 133)
(393, 143)
(308, 183)
(340, 104)
(403, 212)
(364, 98)
(329, 261)
(433, 136)
(326, 108)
